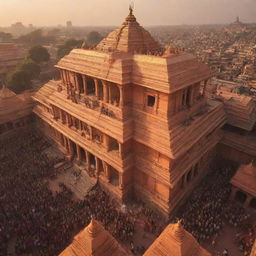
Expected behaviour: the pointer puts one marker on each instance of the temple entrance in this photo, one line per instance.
(240, 197)
(253, 203)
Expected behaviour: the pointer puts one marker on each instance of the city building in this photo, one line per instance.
(10, 56)
(134, 115)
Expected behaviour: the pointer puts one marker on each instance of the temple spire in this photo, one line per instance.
(131, 7)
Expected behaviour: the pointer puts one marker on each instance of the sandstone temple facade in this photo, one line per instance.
(134, 115)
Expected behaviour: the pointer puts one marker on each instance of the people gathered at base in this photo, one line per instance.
(36, 221)
(209, 209)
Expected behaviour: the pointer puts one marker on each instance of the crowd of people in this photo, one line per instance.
(43, 223)
(208, 209)
(39, 221)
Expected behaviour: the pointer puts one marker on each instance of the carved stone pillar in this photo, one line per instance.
(109, 94)
(69, 120)
(97, 88)
(121, 101)
(85, 85)
(120, 149)
(62, 116)
(70, 148)
(91, 132)
(106, 141)
(121, 180)
(105, 92)
(78, 152)
(107, 172)
(97, 166)
(87, 154)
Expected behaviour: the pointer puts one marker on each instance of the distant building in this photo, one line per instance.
(10, 56)
(69, 24)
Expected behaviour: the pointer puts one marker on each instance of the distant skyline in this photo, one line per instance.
(113, 12)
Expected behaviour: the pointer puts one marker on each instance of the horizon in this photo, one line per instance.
(100, 14)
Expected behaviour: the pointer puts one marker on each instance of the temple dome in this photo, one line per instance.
(130, 37)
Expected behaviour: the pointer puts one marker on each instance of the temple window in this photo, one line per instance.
(97, 136)
(151, 100)
(113, 144)
(90, 86)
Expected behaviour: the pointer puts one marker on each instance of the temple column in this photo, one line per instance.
(80, 125)
(121, 180)
(97, 166)
(85, 85)
(106, 141)
(87, 154)
(105, 92)
(78, 152)
(109, 94)
(70, 148)
(62, 116)
(121, 100)
(120, 149)
(96, 88)
(91, 131)
(107, 171)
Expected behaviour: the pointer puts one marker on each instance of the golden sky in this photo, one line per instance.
(112, 12)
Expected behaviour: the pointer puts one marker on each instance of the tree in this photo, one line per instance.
(33, 38)
(30, 67)
(67, 47)
(19, 81)
(93, 38)
(38, 54)
(5, 37)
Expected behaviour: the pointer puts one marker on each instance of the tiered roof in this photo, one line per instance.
(176, 241)
(130, 37)
(94, 240)
(14, 106)
(240, 109)
(245, 179)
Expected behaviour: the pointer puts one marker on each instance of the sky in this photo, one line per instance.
(113, 12)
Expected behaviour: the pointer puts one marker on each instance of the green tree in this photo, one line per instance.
(68, 46)
(33, 38)
(19, 81)
(93, 38)
(32, 68)
(39, 54)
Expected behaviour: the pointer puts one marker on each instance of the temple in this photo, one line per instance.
(15, 111)
(135, 115)
(94, 240)
(176, 241)
(244, 185)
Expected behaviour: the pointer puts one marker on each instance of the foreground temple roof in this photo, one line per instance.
(176, 241)
(245, 179)
(94, 240)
